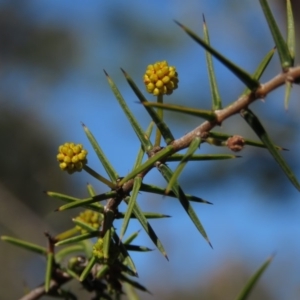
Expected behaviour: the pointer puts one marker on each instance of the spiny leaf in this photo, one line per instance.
(246, 78)
(160, 191)
(124, 251)
(167, 174)
(193, 147)
(131, 238)
(253, 280)
(87, 202)
(66, 234)
(147, 227)
(103, 270)
(49, 268)
(261, 68)
(88, 268)
(161, 125)
(283, 51)
(291, 37)
(205, 114)
(141, 153)
(91, 190)
(148, 215)
(67, 251)
(132, 282)
(130, 292)
(113, 175)
(148, 164)
(133, 122)
(132, 200)
(137, 248)
(216, 99)
(257, 127)
(224, 137)
(160, 114)
(201, 157)
(25, 245)
(84, 225)
(99, 177)
(95, 206)
(106, 243)
(288, 88)
(78, 238)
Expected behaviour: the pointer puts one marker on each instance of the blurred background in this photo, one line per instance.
(52, 56)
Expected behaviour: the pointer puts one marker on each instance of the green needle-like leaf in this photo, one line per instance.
(91, 190)
(149, 163)
(131, 238)
(246, 78)
(194, 145)
(88, 268)
(138, 248)
(224, 137)
(99, 177)
(283, 50)
(135, 284)
(84, 225)
(25, 245)
(253, 280)
(288, 88)
(201, 157)
(141, 153)
(95, 206)
(261, 68)
(291, 37)
(167, 174)
(148, 215)
(113, 175)
(161, 125)
(78, 238)
(160, 191)
(87, 202)
(130, 292)
(67, 251)
(135, 125)
(205, 114)
(49, 268)
(147, 227)
(132, 200)
(102, 271)
(216, 99)
(127, 261)
(257, 127)
(106, 243)
(160, 114)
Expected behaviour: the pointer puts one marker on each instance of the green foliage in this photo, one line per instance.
(104, 266)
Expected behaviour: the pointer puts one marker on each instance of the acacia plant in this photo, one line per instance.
(98, 256)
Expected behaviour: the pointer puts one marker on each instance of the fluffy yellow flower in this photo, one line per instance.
(71, 157)
(161, 79)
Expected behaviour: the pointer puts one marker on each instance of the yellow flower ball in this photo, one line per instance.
(71, 157)
(161, 79)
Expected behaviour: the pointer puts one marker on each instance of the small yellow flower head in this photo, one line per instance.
(161, 79)
(90, 217)
(71, 157)
(98, 249)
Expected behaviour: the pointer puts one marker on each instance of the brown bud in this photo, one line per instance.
(235, 143)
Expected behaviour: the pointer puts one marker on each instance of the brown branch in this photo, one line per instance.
(291, 75)
(55, 284)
